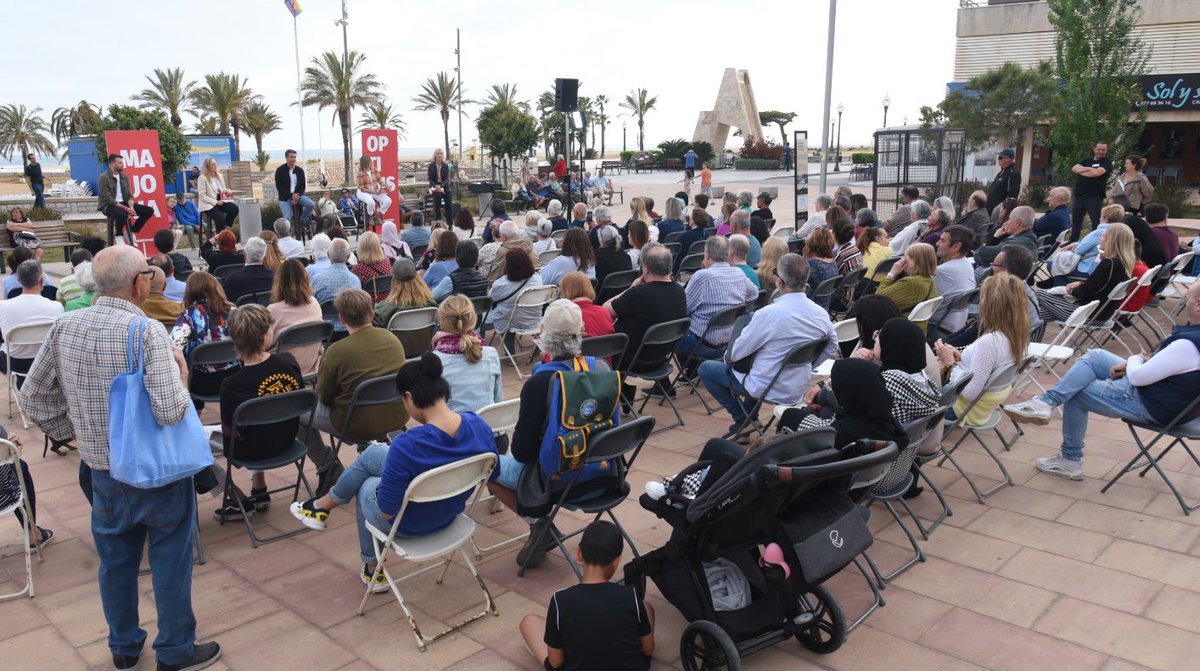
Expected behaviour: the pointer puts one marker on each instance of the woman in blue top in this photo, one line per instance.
(379, 477)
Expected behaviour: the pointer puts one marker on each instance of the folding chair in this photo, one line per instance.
(847, 291)
(1123, 313)
(868, 285)
(262, 298)
(608, 347)
(723, 319)
(380, 285)
(674, 247)
(24, 335)
(847, 331)
(672, 237)
(802, 354)
(923, 311)
(548, 256)
(375, 391)
(697, 247)
(1177, 285)
(620, 444)
(558, 236)
(1001, 378)
(959, 302)
(615, 283)
(223, 273)
(826, 289)
(418, 251)
(1096, 324)
(531, 298)
(482, 305)
(268, 411)
(783, 232)
(502, 417)
(932, 423)
(328, 312)
(657, 369)
(1185, 426)
(1047, 354)
(414, 329)
(689, 265)
(15, 498)
(303, 335)
(215, 353)
(438, 484)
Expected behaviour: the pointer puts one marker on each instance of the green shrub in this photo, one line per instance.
(1034, 195)
(704, 152)
(674, 148)
(270, 212)
(756, 164)
(590, 153)
(627, 156)
(862, 157)
(1172, 194)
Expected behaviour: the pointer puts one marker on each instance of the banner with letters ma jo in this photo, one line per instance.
(143, 166)
(383, 148)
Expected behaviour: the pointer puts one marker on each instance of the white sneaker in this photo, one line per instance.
(1033, 411)
(1061, 467)
(655, 489)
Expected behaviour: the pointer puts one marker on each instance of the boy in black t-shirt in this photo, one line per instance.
(596, 624)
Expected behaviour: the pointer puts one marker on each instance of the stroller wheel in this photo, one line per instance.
(706, 647)
(821, 625)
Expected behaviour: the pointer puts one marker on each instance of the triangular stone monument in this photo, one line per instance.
(735, 106)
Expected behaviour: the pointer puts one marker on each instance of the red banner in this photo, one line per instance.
(383, 147)
(143, 166)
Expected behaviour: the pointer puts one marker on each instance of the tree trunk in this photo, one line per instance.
(641, 134)
(782, 133)
(345, 122)
(258, 143)
(237, 143)
(446, 132)
(176, 120)
(601, 141)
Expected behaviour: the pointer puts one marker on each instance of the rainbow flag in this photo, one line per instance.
(293, 6)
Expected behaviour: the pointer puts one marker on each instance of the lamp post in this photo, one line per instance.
(624, 128)
(837, 167)
(887, 102)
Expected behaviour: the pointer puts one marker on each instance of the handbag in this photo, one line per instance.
(144, 453)
(827, 536)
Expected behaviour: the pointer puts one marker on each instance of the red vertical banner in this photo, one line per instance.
(143, 166)
(383, 148)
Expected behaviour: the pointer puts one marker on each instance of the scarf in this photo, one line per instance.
(390, 239)
(450, 343)
(901, 346)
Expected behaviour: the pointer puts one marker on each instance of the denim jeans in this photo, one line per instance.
(722, 385)
(39, 195)
(306, 209)
(321, 456)
(703, 351)
(1087, 388)
(361, 483)
(122, 518)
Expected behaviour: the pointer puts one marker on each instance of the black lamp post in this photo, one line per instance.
(624, 135)
(887, 102)
(837, 167)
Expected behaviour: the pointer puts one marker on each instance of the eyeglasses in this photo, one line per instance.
(997, 266)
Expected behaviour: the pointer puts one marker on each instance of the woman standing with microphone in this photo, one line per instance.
(439, 185)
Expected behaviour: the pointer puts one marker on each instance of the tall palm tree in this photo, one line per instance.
(208, 125)
(379, 114)
(260, 121)
(439, 94)
(168, 92)
(601, 119)
(341, 82)
(587, 108)
(21, 129)
(639, 102)
(225, 95)
(504, 94)
(67, 122)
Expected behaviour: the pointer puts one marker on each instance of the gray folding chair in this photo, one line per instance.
(608, 347)
(369, 393)
(615, 283)
(303, 335)
(414, 329)
(690, 264)
(802, 354)
(262, 298)
(380, 285)
(216, 353)
(1002, 378)
(723, 319)
(1180, 430)
(222, 273)
(656, 367)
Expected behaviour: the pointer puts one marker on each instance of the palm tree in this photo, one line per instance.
(601, 119)
(208, 125)
(379, 114)
(168, 92)
(587, 108)
(341, 82)
(21, 129)
(259, 121)
(639, 103)
(225, 96)
(441, 95)
(504, 94)
(67, 122)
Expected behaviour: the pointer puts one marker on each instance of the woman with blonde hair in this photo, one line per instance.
(1117, 259)
(274, 257)
(773, 249)
(910, 280)
(408, 293)
(1003, 337)
(214, 198)
(372, 263)
(471, 368)
(293, 303)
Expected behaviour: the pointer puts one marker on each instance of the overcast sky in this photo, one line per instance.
(59, 53)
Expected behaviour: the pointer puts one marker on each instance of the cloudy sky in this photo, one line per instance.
(102, 51)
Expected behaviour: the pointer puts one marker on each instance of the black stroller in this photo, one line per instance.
(792, 492)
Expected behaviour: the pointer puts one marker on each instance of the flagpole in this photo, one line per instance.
(299, 96)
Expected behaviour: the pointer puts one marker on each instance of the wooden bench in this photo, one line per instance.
(674, 164)
(612, 166)
(53, 234)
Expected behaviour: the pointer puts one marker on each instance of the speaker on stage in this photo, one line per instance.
(566, 95)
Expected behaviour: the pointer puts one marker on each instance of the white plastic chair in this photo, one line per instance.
(12, 489)
(548, 256)
(25, 334)
(532, 298)
(502, 417)
(1123, 311)
(1058, 349)
(783, 232)
(923, 311)
(441, 483)
(1178, 285)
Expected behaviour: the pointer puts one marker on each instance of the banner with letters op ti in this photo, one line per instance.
(383, 148)
(143, 166)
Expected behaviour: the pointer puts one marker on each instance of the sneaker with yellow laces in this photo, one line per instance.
(309, 514)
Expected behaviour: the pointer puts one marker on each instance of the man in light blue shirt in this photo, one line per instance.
(715, 287)
(175, 287)
(329, 282)
(774, 330)
(417, 234)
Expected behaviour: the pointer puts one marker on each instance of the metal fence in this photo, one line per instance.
(930, 159)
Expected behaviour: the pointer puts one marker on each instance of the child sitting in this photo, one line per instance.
(596, 624)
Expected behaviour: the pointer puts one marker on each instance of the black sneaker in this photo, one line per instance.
(230, 511)
(260, 498)
(124, 662)
(657, 390)
(203, 656)
(532, 556)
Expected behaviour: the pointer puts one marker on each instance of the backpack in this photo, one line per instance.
(583, 401)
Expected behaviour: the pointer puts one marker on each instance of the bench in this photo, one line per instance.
(612, 166)
(674, 164)
(53, 234)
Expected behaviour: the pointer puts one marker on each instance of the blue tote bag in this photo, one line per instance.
(144, 453)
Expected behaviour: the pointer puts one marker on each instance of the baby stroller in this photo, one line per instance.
(792, 492)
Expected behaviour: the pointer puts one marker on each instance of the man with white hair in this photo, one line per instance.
(975, 216)
(715, 287)
(605, 186)
(327, 284)
(740, 225)
(816, 218)
(554, 211)
(290, 247)
(255, 277)
(912, 232)
(320, 252)
(1058, 219)
(66, 395)
(491, 255)
(28, 307)
(601, 217)
(1018, 230)
(903, 214)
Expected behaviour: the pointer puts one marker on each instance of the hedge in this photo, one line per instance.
(756, 164)
(862, 157)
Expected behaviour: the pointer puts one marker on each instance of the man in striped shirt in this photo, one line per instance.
(715, 287)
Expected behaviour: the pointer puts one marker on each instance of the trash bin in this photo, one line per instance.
(249, 219)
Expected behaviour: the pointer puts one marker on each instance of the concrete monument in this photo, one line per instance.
(735, 106)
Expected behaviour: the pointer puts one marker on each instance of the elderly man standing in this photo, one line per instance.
(255, 277)
(740, 224)
(157, 306)
(791, 320)
(1018, 230)
(816, 218)
(491, 255)
(975, 216)
(327, 284)
(66, 395)
(289, 246)
(1058, 219)
(1006, 184)
(715, 287)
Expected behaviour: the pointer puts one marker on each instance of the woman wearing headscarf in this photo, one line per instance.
(901, 352)
(393, 246)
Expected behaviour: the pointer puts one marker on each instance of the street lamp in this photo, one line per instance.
(837, 167)
(624, 128)
(887, 102)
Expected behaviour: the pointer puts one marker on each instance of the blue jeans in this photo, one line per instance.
(39, 195)
(361, 483)
(722, 385)
(122, 518)
(1087, 388)
(306, 209)
(703, 351)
